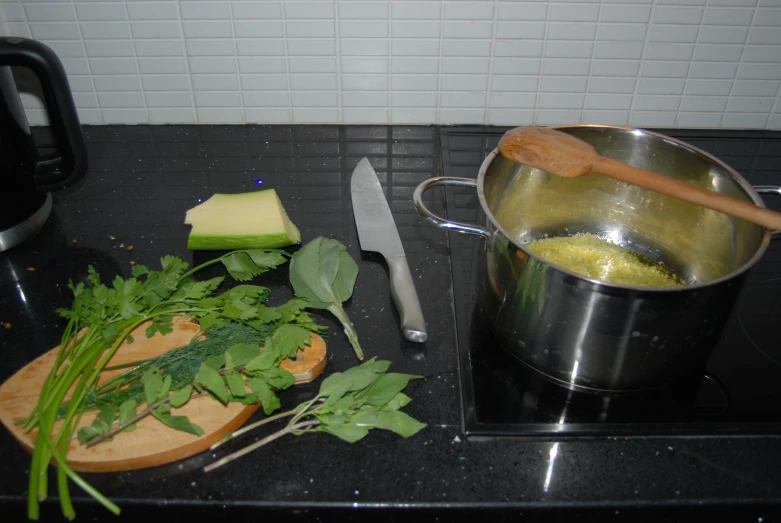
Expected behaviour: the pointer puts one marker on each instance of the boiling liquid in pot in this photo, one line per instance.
(594, 257)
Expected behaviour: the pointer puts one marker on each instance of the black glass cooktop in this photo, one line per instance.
(740, 392)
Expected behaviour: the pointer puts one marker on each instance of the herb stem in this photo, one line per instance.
(243, 430)
(268, 439)
(337, 310)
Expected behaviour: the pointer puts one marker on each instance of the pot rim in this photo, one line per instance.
(742, 182)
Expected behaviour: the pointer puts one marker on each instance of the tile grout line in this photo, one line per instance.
(740, 62)
(236, 62)
(135, 61)
(489, 86)
(542, 61)
(86, 59)
(689, 69)
(638, 75)
(437, 117)
(591, 64)
(183, 40)
(287, 64)
(338, 50)
(388, 39)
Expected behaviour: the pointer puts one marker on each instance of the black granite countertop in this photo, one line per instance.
(141, 181)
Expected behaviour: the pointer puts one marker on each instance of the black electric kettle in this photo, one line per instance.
(26, 177)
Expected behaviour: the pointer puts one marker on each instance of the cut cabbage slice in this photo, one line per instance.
(253, 220)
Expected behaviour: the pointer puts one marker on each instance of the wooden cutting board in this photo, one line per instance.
(152, 443)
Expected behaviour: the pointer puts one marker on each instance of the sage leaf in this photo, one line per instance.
(127, 411)
(181, 396)
(211, 380)
(399, 401)
(347, 432)
(387, 387)
(236, 384)
(324, 274)
(177, 422)
(266, 396)
(396, 421)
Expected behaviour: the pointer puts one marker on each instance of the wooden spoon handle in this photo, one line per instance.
(684, 191)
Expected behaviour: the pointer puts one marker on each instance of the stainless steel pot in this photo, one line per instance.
(587, 334)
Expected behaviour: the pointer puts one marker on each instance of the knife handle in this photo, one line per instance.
(413, 326)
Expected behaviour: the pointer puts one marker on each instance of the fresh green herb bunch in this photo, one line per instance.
(348, 405)
(107, 315)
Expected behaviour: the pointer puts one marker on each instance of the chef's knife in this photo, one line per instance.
(377, 232)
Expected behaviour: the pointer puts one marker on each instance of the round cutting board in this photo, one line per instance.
(152, 443)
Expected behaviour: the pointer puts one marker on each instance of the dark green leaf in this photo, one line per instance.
(265, 395)
(290, 310)
(268, 314)
(177, 422)
(153, 384)
(210, 303)
(257, 293)
(336, 383)
(279, 379)
(289, 338)
(361, 378)
(109, 333)
(236, 384)
(172, 264)
(347, 432)
(401, 400)
(396, 421)
(241, 267)
(88, 432)
(216, 362)
(260, 363)
(211, 380)
(106, 416)
(305, 276)
(333, 420)
(238, 309)
(181, 396)
(208, 321)
(201, 289)
(268, 258)
(387, 388)
(138, 270)
(127, 411)
(345, 277)
(165, 388)
(241, 354)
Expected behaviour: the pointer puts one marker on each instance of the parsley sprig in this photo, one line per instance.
(101, 319)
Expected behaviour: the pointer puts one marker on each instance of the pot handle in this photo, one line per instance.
(770, 189)
(417, 198)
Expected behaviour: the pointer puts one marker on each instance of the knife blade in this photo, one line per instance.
(377, 233)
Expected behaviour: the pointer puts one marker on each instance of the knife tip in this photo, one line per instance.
(414, 335)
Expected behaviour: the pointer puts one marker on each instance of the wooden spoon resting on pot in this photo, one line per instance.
(559, 153)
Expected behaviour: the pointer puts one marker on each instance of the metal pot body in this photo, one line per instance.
(587, 334)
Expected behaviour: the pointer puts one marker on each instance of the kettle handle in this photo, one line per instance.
(51, 174)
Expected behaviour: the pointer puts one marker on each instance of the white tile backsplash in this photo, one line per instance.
(685, 63)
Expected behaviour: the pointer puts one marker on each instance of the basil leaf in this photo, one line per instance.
(266, 396)
(127, 411)
(211, 380)
(177, 422)
(181, 396)
(153, 384)
(241, 354)
(236, 384)
(278, 379)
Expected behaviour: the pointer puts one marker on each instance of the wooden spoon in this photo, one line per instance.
(559, 153)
